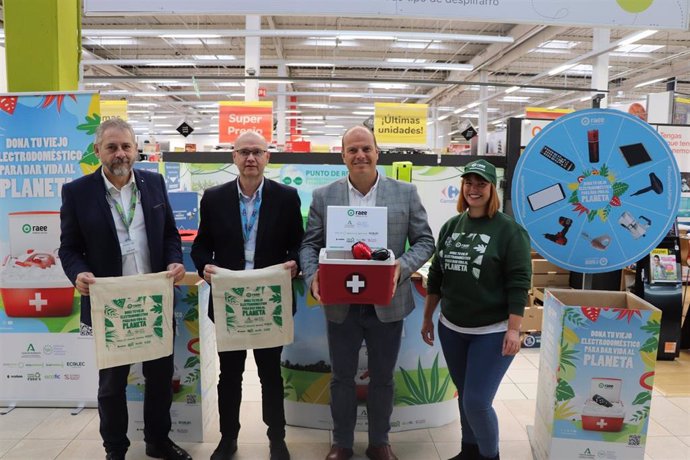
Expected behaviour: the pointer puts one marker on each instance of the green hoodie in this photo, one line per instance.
(481, 269)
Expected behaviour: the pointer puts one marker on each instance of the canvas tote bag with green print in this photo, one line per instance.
(132, 318)
(252, 308)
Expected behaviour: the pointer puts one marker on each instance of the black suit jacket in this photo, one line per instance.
(220, 241)
(88, 239)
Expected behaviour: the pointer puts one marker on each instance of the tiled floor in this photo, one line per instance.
(55, 434)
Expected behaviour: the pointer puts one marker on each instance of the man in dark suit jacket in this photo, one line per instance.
(116, 222)
(248, 223)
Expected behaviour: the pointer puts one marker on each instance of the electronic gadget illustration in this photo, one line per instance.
(557, 158)
(593, 145)
(545, 197)
(635, 154)
(559, 237)
(655, 185)
(601, 242)
(636, 228)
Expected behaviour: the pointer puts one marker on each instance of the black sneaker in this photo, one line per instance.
(279, 451)
(225, 450)
(167, 450)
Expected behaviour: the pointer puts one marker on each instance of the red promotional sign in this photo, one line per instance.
(235, 118)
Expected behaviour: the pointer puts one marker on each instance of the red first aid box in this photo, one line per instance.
(346, 280)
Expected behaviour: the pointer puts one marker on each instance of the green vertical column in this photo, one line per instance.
(42, 44)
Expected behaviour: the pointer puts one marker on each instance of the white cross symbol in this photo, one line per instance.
(38, 302)
(355, 284)
(601, 423)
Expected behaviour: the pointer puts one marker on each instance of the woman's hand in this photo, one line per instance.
(428, 331)
(511, 342)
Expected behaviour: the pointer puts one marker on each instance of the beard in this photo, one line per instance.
(120, 168)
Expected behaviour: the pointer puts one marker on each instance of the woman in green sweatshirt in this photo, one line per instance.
(480, 274)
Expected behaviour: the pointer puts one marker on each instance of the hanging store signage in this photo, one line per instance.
(113, 109)
(400, 124)
(236, 118)
(185, 129)
(640, 14)
(542, 113)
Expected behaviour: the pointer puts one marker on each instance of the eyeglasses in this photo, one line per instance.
(244, 153)
(477, 185)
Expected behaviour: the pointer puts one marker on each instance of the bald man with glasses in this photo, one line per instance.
(251, 222)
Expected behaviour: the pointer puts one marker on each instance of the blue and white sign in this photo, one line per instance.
(596, 190)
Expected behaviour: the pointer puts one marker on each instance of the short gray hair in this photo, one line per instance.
(113, 123)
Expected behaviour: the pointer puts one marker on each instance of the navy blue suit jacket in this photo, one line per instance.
(88, 239)
(220, 241)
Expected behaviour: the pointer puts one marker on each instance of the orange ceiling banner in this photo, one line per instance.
(235, 118)
(543, 113)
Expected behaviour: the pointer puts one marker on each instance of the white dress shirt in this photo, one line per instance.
(356, 198)
(140, 260)
(250, 244)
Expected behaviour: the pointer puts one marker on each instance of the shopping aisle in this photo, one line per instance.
(33, 434)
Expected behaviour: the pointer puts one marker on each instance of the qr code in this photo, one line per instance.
(191, 399)
(634, 440)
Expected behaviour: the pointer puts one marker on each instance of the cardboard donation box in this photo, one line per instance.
(346, 280)
(596, 374)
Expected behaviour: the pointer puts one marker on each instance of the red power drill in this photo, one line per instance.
(559, 238)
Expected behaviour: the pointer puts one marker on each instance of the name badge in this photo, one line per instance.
(128, 248)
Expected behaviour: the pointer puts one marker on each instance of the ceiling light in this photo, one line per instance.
(364, 113)
(406, 60)
(309, 64)
(232, 84)
(334, 126)
(189, 35)
(442, 66)
(636, 37)
(277, 82)
(214, 57)
(371, 36)
(559, 69)
(142, 104)
(650, 82)
(137, 111)
(512, 89)
(473, 105)
(444, 117)
(313, 122)
(151, 94)
(516, 98)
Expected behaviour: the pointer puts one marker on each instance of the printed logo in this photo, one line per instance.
(587, 454)
(76, 364)
(33, 377)
(450, 194)
(350, 212)
(26, 228)
(15, 376)
(47, 349)
(37, 229)
(30, 348)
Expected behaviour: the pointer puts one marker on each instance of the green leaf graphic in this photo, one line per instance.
(564, 391)
(158, 331)
(278, 316)
(619, 188)
(91, 125)
(642, 397)
(191, 315)
(653, 326)
(158, 322)
(192, 361)
(108, 323)
(651, 344)
(89, 156)
(120, 302)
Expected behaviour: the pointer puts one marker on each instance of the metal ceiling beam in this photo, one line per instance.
(342, 34)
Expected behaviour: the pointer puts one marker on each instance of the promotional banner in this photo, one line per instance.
(597, 190)
(400, 124)
(659, 14)
(46, 142)
(678, 138)
(235, 118)
(542, 113)
(113, 109)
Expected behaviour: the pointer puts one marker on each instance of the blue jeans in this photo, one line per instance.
(477, 367)
(344, 343)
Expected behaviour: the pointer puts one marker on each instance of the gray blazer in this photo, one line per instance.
(407, 220)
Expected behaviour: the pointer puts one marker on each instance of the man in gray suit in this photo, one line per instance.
(379, 326)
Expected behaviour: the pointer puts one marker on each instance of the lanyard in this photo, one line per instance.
(248, 223)
(126, 219)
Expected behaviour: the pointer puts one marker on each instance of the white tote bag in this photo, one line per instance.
(252, 308)
(132, 318)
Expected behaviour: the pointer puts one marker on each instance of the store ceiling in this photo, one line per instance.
(187, 63)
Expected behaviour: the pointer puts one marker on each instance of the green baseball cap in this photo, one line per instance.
(481, 168)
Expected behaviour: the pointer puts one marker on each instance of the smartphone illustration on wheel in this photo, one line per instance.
(545, 197)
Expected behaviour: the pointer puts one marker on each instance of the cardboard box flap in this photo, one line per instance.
(613, 299)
